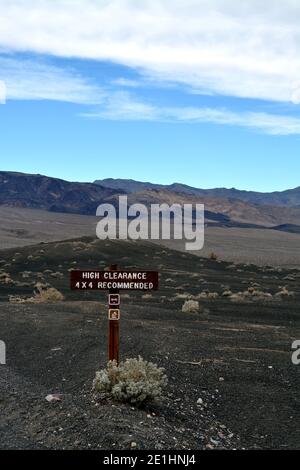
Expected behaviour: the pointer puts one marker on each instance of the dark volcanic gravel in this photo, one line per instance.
(237, 362)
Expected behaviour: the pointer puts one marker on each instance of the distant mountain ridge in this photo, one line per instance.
(56, 195)
(287, 198)
(52, 194)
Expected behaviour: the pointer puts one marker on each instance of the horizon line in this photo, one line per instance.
(163, 185)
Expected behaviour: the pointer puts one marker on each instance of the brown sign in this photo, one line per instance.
(114, 299)
(114, 314)
(114, 280)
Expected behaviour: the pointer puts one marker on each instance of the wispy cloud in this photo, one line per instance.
(122, 106)
(32, 80)
(126, 83)
(2, 92)
(241, 49)
(210, 46)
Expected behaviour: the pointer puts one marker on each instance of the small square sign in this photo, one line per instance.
(114, 314)
(114, 299)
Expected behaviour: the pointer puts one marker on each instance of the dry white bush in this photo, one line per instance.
(134, 381)
(191, 306)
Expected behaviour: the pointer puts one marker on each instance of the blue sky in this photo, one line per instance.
(194, 98)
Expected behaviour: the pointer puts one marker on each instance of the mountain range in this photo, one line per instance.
(51, 194)
(224, 207)
(287, 198)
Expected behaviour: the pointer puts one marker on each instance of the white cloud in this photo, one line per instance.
(2, 92)
(245, 49)
(296, 93)
(31, 80)
(121, 106)
(126, 83)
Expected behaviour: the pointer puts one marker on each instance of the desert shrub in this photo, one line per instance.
(42, 295)
(5, 278)
(284, 293)
(226, 293)
(48, 295)
(191, 306)
(183, 296)
(207, 295)
(134, 381)
(250, 295)
(16, 299)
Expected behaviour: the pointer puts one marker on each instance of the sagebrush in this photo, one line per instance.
(135, 381)
(42, 295)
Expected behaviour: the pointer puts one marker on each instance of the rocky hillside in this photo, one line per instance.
(288, 198)
(52, 194)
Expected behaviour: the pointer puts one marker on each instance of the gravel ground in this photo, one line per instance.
(231, 380)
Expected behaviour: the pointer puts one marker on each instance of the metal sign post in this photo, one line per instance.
(114, 280)
(114, 322)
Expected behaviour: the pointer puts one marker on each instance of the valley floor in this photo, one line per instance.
(22, 227)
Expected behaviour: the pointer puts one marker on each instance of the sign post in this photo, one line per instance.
(114, 322)
(114, 280)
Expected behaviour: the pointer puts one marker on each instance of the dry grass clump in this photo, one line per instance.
(206, 295)
(46, 295)
(5, 278)
(227, 293)
(135, 381)
(251, 294)
(213, 256)
(42, 295)
(183, 296)
(284, 293)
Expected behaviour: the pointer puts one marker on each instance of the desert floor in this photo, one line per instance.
(237, 360)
